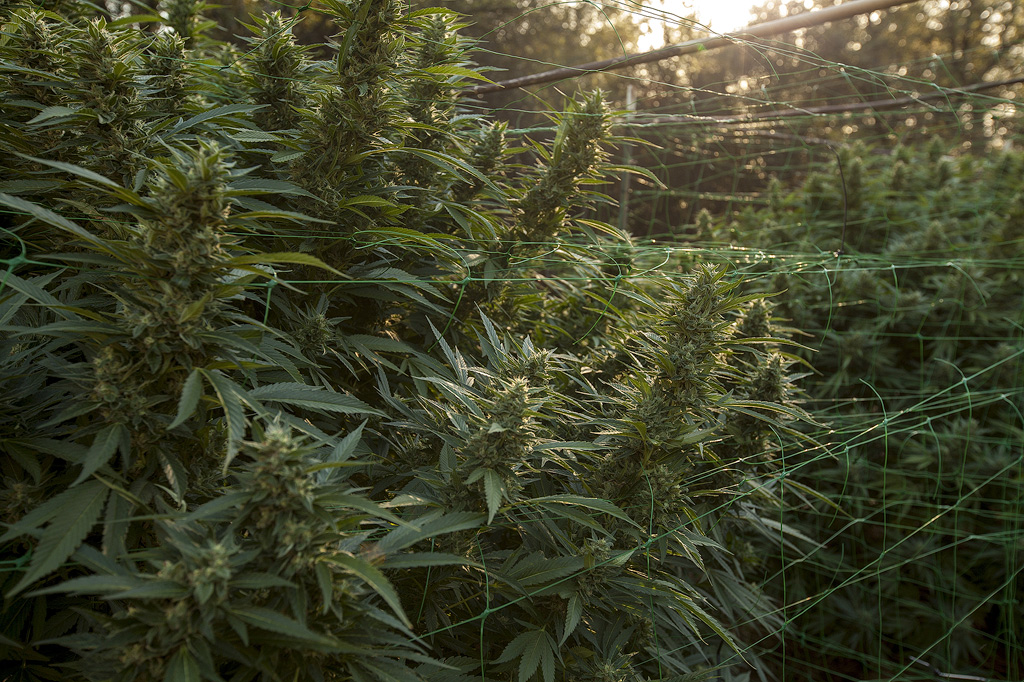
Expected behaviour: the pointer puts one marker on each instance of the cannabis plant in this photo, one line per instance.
(303, 378)
(914, 321)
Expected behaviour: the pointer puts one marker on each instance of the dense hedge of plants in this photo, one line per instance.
(302, 379)
(915, 330)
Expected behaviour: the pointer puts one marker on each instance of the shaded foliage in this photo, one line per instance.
(303, 378)
(917, 335)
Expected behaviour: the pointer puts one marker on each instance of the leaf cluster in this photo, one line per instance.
(916, 332)
(303, 378)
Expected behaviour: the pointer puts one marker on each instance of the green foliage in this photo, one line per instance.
(519, 37)
(302, 378)
(916, 331)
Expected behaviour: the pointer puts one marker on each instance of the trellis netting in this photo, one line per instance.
(863, 177)
(878, 195)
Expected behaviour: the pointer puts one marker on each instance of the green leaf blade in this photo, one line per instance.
(182, 668)
(191, 392)
(375, 579)
(301, 395)
(272, 621)
(103, 447)
(81, 507)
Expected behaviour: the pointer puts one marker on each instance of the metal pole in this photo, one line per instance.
(821, 16)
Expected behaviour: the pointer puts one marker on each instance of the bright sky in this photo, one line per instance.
(720, 15)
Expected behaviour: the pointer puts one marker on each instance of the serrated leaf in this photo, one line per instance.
(594, 503)
(359, 503)
(286, 156)
(254, 136)
(529, 646)
(365, 200)
(278, 214)
(379, 343)
(532, 652)
(572, 514)
(547, 660)
(492, 334)
(40, 515)
(449, 163)
(191, 392)
(573, 614)
(103, 447)
(258, 581)
(302, 395)
(80, 510)
(115, 524)
(182, 667)
(136, 19)
(814, 493)
(514, 648)
(341, 452)
(249, 186)
(346, 44)
(155, 589)
(226, 110)
(347, 446)
(452, 70)
(216, 506)
(34, 291)
(272, 621)
(74, 170)
(433, 525)
(494, 491)
(404, 234)
(52, 112)
(538, 569)
(76, 328)
(782, 528)
(325, 581)
(281, 257)
(27, 186)
(421, 559)
(637, 170)
(230, 396)
(375, 579)
(195, 308)
(51, 218)
(93, 584)
(584, 446)
(714, 625)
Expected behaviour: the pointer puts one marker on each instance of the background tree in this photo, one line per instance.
(729, 121)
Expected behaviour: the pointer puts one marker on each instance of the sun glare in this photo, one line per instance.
(720, 16)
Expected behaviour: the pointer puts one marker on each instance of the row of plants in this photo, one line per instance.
(902, 270)
(304, 378)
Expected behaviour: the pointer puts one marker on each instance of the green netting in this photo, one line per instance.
(884, 212)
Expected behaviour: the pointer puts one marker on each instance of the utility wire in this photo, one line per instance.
(775, 27)
(944, 93)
